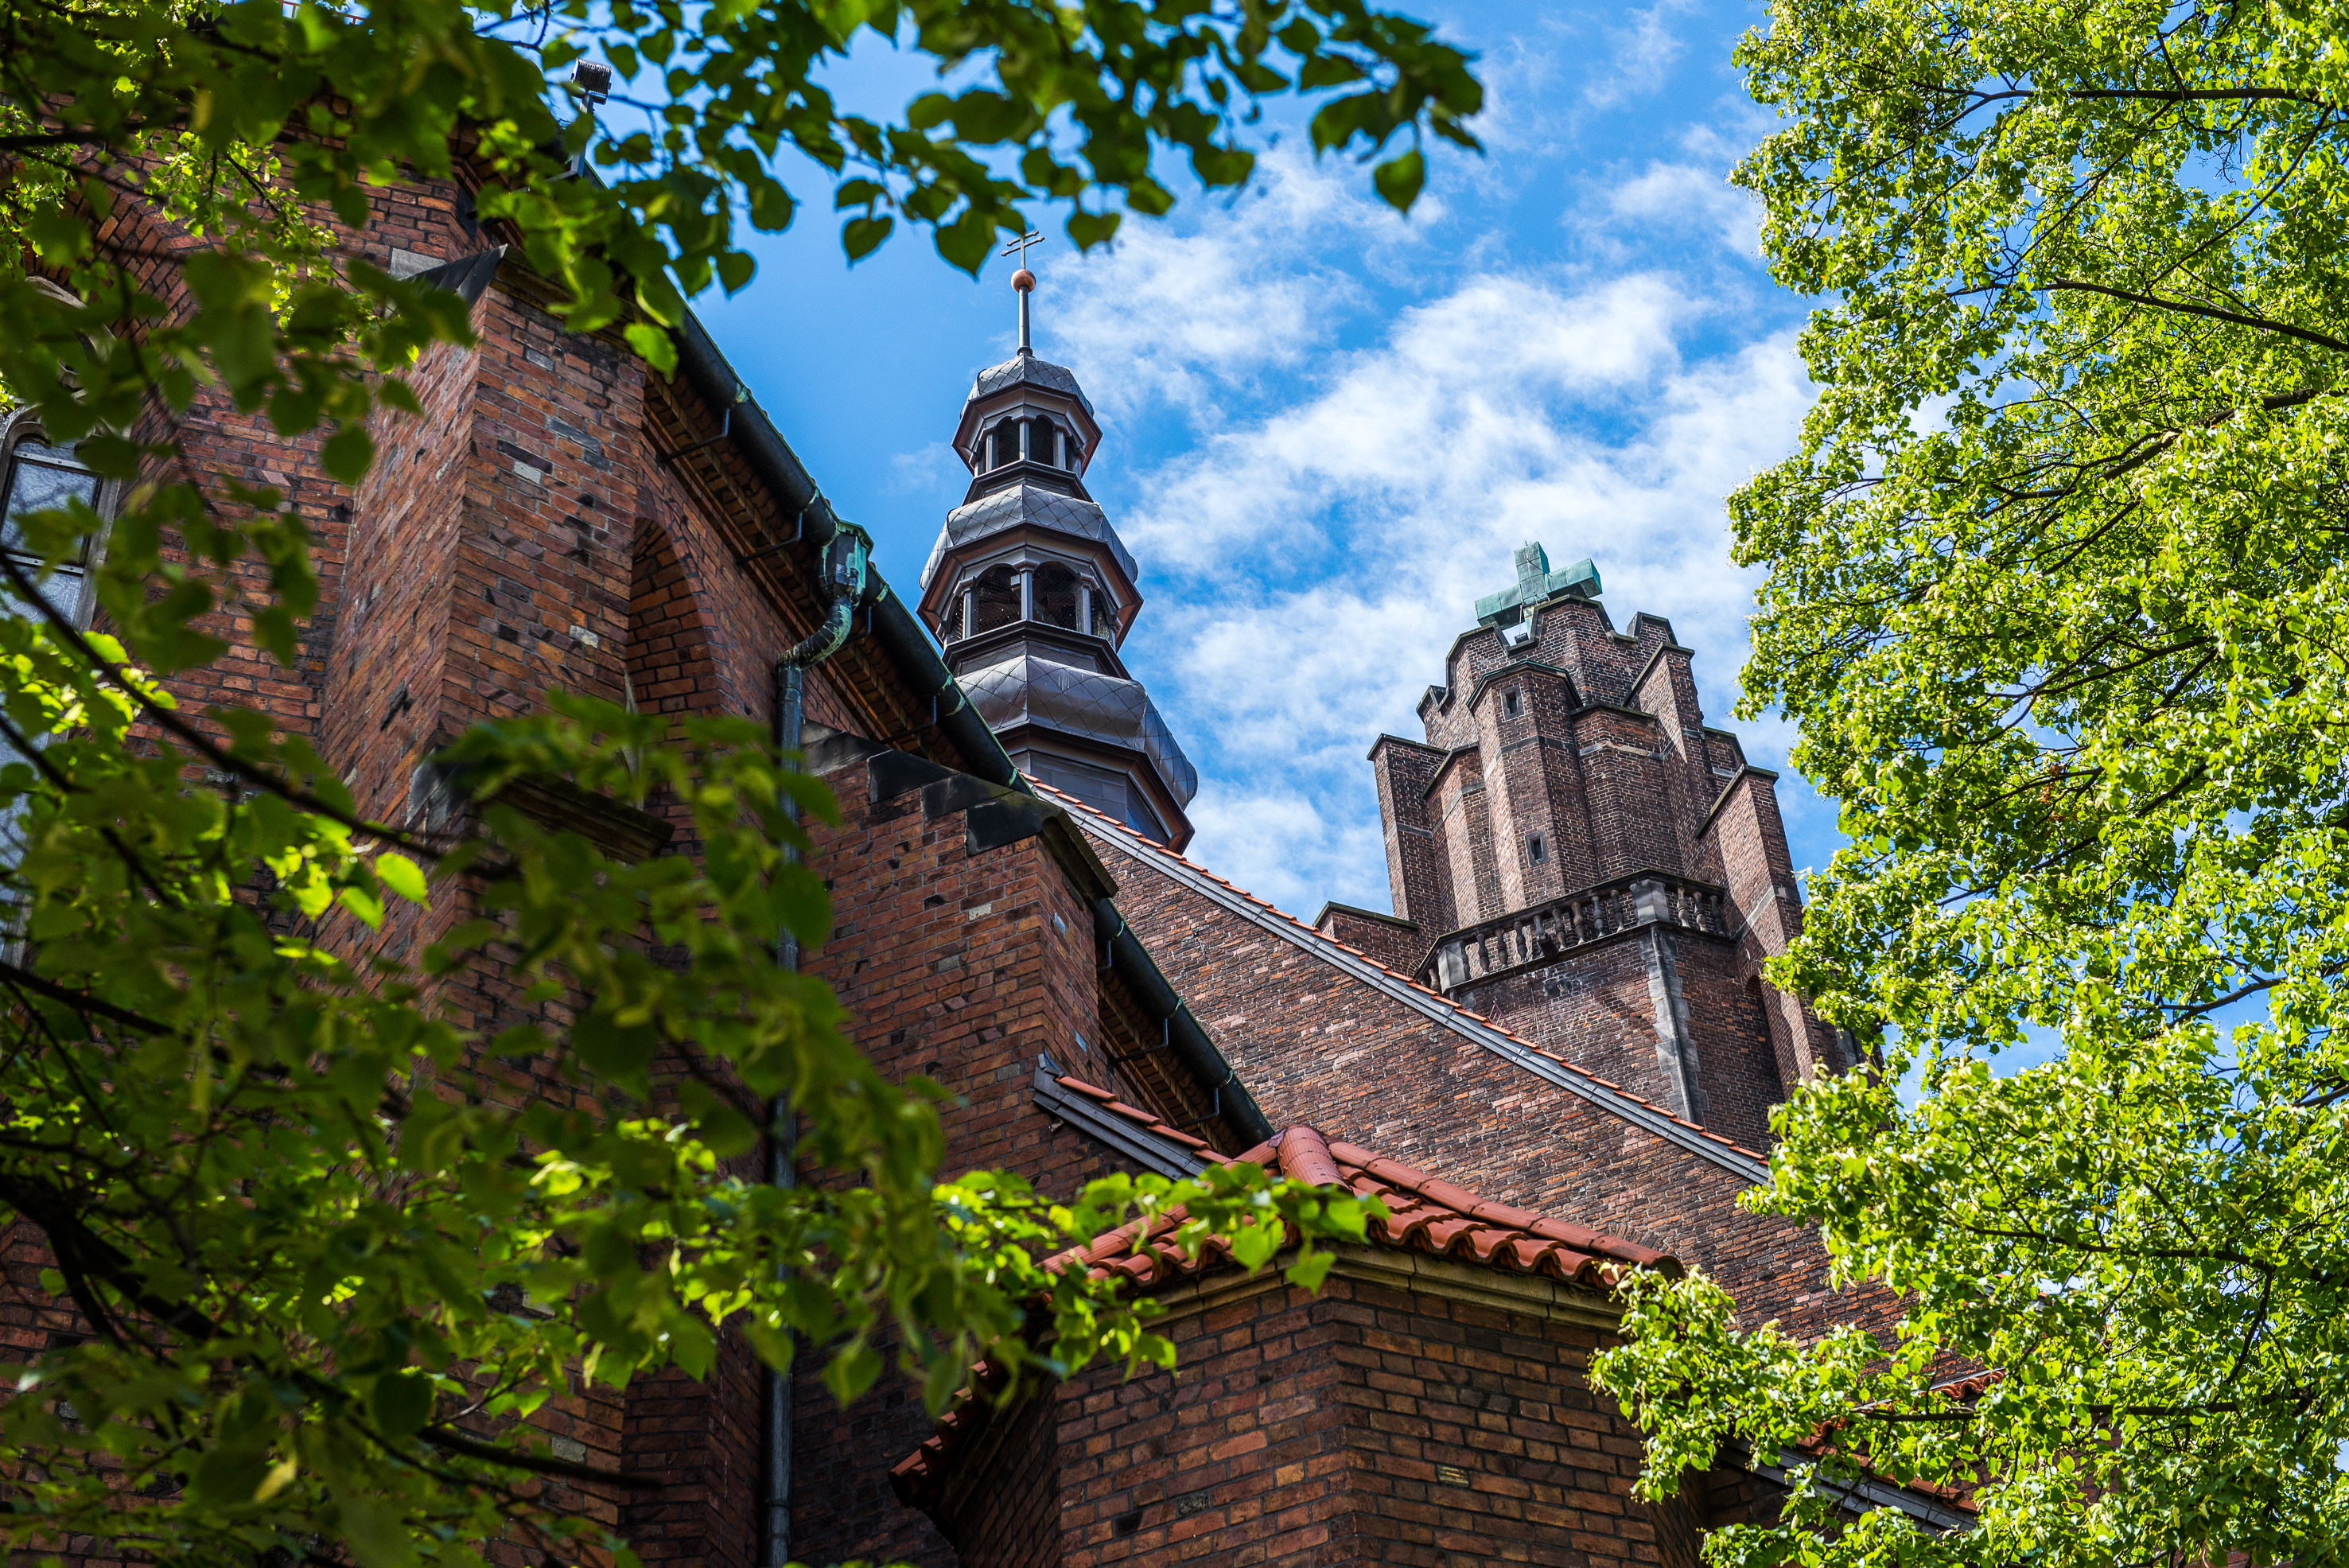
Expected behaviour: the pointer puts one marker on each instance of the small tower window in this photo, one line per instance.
(1512, 705)
(1044, 442)
(1536, 850)
(995, 598)
(1055, 597)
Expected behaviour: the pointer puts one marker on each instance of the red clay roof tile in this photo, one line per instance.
(1427, 1214)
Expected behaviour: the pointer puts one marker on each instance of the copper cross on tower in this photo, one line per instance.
(1023, 280)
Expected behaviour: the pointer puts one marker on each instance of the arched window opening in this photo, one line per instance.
(1044, 442)
(953, 630)
(996, 599)
(1003, 445)
(1055, 597)
(1104, 616)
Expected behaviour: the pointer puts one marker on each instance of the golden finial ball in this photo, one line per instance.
(1024, 281)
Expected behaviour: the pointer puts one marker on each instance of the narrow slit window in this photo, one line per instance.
(1512, 705)
(1536, 850)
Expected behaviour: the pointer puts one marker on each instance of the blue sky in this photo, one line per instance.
(1328, 425)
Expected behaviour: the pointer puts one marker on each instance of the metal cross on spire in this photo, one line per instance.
(1023, 281)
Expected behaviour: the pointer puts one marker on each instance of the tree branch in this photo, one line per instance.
(2075, 285)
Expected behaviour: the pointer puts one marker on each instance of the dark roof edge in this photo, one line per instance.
(1518, 667)
(1138, 1144)
(1667, 646)
(909, 646)
(892, 623)
(1133, 965)
(1361, 914)
(1743, 772)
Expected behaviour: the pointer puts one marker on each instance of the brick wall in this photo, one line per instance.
(1594, 740)
(1438, 1423)
(1316, 1045)
(965, 967)
(1417, 874)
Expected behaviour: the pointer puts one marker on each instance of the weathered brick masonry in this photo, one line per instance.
(1563, 1012)
(1420, 1409)
(1327, 1036)
(1569, 803)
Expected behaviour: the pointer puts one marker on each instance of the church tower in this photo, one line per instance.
(1032, 593)
(1576, 855)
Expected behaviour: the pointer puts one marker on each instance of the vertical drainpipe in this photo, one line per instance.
(844, 584)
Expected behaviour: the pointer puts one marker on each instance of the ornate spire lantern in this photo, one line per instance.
(1032, 592)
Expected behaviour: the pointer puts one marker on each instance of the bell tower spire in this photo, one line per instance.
(1032, 593)
(1023, 282)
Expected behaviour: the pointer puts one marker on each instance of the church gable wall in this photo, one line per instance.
(1768, 916)
(1401, 948)
(965, 967)
(1728, 1008)
(1316, 1045)
(1371, 1423)
(1667, 689)
(1463, 836)
(1594, 1007)
(1630, 825)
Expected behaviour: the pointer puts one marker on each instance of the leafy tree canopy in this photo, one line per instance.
(2059, 599)
(326, 1276)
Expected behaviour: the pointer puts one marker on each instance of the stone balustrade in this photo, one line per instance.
(1541, 932)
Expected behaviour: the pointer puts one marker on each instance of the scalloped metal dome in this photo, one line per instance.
(1024, 502)
(1024, 370)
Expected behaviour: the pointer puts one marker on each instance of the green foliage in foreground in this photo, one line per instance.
(327, 1278)
(2059, 598)
(330, 1263)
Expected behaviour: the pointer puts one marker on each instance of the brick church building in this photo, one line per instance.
(1553, 1059)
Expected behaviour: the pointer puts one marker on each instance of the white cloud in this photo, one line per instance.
(1463, 398)
(1682, 196)
(1283, 838)
(1187, 312)
(1308, 569)
(1645, 50)
(925, 470)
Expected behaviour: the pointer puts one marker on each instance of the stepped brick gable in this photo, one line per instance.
(1574, 854)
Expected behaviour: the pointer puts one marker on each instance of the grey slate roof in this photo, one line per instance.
(1026, 369)
(1025, 689)
(1024, 502)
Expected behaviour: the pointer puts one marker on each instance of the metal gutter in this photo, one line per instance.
(1872, 1489)
(1133, 965)
(1140, 1145)
(890, 620)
